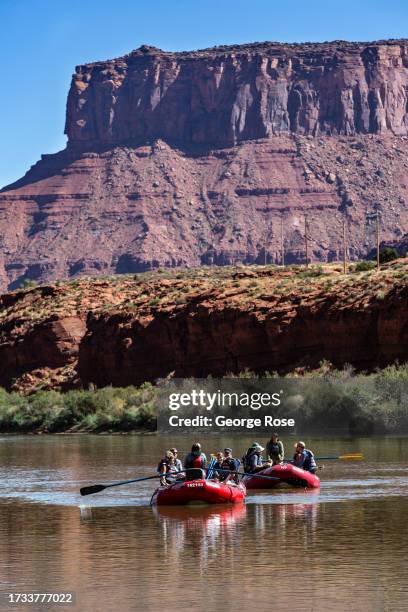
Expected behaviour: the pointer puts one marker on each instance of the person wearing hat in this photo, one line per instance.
(227, 462)
(253, 460)
(274, 449)
(304, 458)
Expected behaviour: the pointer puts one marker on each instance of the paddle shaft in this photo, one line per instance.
(99, 487)
(349, 457)
(223, 471)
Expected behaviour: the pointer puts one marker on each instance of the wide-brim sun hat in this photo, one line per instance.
(257, 447)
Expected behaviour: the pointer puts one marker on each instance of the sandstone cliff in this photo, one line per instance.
(225, 95)
(185, 159)
(126, 330)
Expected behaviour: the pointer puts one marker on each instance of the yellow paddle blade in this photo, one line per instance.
(352, 457)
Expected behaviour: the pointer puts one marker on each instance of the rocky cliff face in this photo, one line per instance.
(226, 95)
(128, 330)
(210, 157)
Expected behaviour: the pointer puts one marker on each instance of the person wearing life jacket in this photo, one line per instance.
(196, 458)
(231, 466)
(218, 464)
(253, 460)
(304, 458)
(178, 462)
(274, 449)
(167, 467)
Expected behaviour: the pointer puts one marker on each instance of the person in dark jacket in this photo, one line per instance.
(229, 465)
(196, 458)
(274, 450)
(253, 460)
(304, 458)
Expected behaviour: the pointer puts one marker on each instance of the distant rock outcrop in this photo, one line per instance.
(226, 95)
(185, 159)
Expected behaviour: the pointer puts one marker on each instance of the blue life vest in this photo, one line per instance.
(306, 460)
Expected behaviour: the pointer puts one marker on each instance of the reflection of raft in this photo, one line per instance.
(199, 492)
(225, 514)
(286, 474)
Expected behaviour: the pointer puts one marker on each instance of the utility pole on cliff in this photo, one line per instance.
(344, 246)
(306, 245)
(282, 245)
(378, 239)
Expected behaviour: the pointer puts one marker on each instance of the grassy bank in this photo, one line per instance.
(324, 400)
(108, 409)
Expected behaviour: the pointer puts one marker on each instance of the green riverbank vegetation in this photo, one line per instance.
(325, 400)
(108, 409)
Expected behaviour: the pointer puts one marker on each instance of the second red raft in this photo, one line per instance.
(285, 473)
(199, 492)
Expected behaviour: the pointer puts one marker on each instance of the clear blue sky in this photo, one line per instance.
(41, 41)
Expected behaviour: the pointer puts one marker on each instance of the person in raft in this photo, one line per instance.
(196, 458)
(274, 450)
(304, 458)
(253, 460)
(167, 468)
(217, 465)
(226, 462)
(178, 462)
(231, 466)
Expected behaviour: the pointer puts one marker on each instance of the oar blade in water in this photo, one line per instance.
(92, 489)
(347, 457)
(352, 457)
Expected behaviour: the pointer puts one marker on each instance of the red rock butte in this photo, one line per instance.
(208, 157)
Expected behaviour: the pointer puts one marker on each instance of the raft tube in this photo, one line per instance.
(287, 474)
(199, 492)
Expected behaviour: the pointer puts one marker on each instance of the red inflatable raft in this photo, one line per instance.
(199, 492)
(286, 474)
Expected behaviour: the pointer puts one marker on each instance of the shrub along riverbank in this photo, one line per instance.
(328, 401)
(108, 409)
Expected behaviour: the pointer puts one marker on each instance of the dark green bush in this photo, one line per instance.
(364, 266)
(388, 254)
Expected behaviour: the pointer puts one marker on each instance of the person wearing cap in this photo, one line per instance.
(304, 458)
(196, 458)
(253, 460)
(227, 466)
(178, 463)
(274, 449)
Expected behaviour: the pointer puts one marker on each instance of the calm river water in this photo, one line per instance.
(343, 548)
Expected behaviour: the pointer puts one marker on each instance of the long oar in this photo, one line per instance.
(248, 474)
(100, 487)
(347, 457)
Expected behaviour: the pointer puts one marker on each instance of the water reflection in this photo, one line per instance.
(340, 548)
(208, 558)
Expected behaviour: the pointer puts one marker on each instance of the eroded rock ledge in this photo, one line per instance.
(127, 330)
